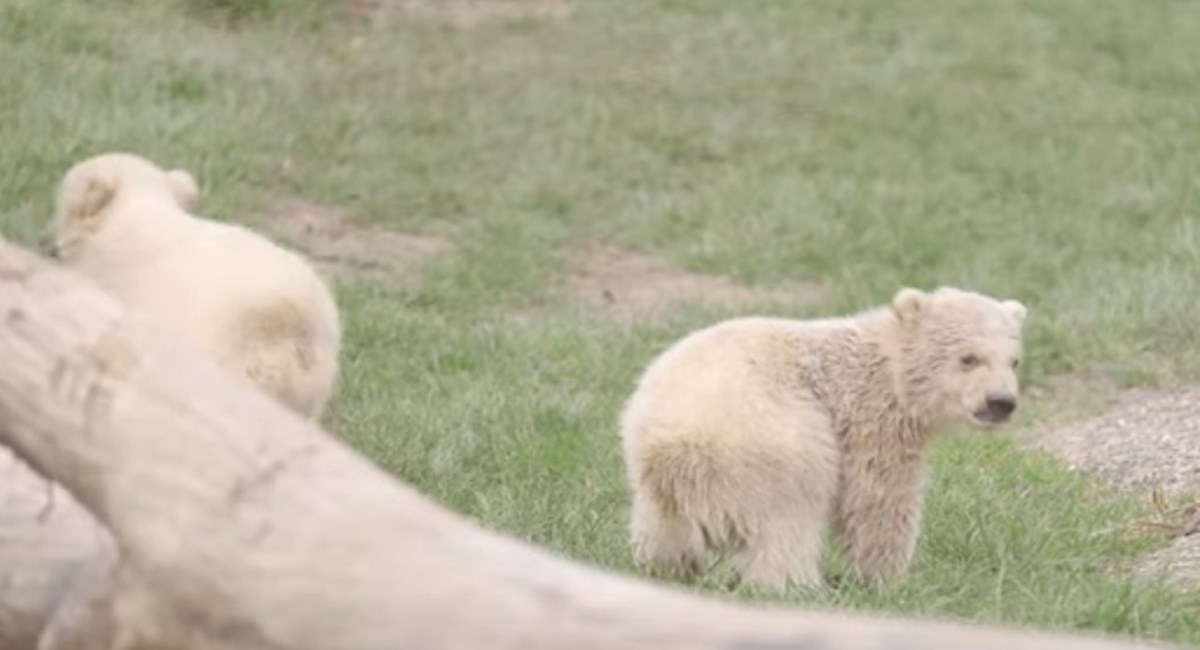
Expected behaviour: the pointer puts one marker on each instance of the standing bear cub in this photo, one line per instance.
(754, 435)
(254, 307)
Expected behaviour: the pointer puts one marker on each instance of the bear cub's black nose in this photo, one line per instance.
(1001, 405)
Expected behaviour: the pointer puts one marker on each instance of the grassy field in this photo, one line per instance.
(1044, 151)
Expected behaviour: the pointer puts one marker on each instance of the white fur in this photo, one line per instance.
(253, 305)
(754, 435)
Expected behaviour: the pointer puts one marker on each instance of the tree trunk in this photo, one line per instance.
(242, 526)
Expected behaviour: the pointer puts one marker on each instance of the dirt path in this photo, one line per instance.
(344, 248)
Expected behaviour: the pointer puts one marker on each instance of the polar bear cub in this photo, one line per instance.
(755, 435)
(254, 306)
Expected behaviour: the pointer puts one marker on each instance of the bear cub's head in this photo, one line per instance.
(92, 194)
(959, 353)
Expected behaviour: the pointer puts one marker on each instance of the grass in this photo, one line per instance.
(1044, 151)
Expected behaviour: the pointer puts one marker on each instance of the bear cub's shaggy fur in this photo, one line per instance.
(755, 435)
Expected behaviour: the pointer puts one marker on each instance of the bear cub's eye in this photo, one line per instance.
(969, 361)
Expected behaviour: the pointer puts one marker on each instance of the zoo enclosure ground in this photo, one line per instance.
(803, 158)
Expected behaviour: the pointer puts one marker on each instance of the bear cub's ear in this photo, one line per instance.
(84, 204)
(184, 187)
(1016, 310)
(907, 303)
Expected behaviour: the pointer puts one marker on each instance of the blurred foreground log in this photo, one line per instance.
(241, 526)
(49, 548)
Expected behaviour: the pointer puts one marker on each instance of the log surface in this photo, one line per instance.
(48, 544)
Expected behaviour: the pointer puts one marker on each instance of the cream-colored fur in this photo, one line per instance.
(254, 306)
(754, 435)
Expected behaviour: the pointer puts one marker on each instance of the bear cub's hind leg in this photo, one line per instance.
(665, 539)
(785, 549)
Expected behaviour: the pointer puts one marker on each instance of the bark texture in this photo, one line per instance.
(240, 526)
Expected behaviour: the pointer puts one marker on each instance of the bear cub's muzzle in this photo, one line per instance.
(998, 408)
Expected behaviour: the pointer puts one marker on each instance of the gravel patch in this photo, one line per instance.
(1148, 442)
(1177, 564)
(1150, 439)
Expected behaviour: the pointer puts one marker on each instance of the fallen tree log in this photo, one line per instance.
(49, 548)
(240, 526)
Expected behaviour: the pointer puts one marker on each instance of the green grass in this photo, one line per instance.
(1044, 151)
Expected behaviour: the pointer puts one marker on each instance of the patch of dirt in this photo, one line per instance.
(1177, 564)
(462, 14)
(626, 286)
(344, 249)
(1147, 441)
